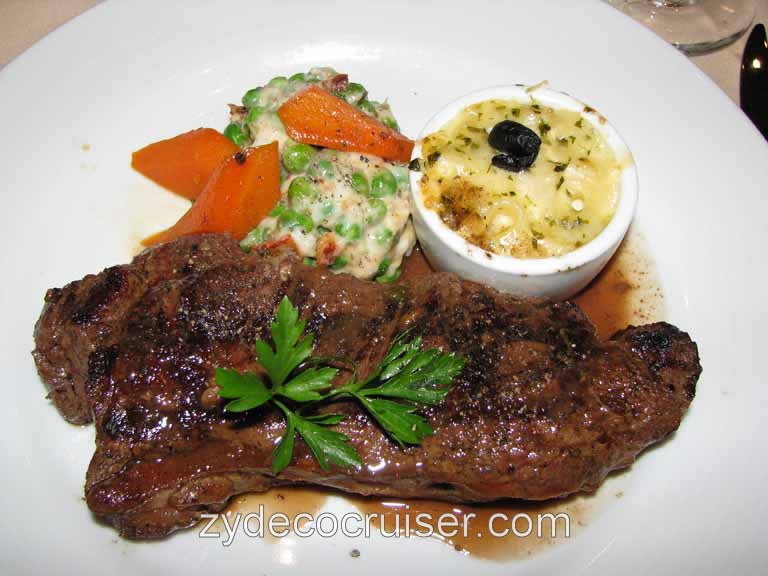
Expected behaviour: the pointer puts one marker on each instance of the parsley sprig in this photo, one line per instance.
(406, 379)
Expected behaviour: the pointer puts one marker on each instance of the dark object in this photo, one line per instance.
(415, 165)
(754, 79)
(518, 144)
(512, 163)
(541, 410)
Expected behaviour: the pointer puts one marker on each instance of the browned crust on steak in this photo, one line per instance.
(542, 409)
(88, 314)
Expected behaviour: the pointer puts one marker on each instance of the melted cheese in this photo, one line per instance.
(564, 200)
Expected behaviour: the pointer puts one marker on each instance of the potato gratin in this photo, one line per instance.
(564, 199)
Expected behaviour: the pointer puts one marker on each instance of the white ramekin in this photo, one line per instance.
(555, 278)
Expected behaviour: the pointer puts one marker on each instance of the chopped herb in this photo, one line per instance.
(544, 128)
(560, 182)
(432, 158)
(516, 112)
(579, 123)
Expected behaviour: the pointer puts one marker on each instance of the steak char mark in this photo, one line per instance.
(542, 408)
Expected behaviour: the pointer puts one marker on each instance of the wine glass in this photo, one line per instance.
(693, 26)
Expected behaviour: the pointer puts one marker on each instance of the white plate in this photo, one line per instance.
(124, 74)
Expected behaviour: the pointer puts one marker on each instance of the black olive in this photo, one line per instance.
(518, 144)
(513, 163)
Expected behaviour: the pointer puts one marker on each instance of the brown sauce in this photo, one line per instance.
(400, 516)
(477, 539)
(626, 292)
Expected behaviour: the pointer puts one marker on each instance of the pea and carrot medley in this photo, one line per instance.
(308, 159)
(342, 209)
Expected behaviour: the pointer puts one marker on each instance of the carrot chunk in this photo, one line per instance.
(185, 163)
(239, 194)
(317, 117)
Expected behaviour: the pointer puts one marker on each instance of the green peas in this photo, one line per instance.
(301, 188)
(254, 114)
(349, 231)
(254, 238)
(391, 123)
(377, 209)
(338, 263)
(298, 77)
(383, 267)
(237, 134)
(391, 278)
(252, 98)
(382, 277)
(297, 157)
(360, 183)
(355, 232)
(278, 81)
(383, 184)
(354, 93)
(277, 211)
(369, 107)
(323, 169)
(310, 261)
(293, 219)
(327, 209)
(383, 236)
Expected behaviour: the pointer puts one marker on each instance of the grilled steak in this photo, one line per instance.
(542, 409)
